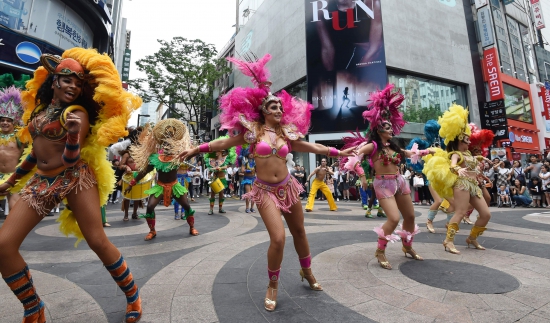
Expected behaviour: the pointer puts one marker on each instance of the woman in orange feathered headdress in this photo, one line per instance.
(74, 107)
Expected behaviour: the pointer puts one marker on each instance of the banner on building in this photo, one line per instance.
(346, 61)
(485, 26)
(126, 65)
(545, 96)
(538, 18)
(491, 74)
(480, 3)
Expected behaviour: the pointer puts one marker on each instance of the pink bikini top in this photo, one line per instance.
(264, 150)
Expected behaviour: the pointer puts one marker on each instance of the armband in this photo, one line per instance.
(133, 182)
(333, 152)
(204, 148)
(424, 152)
(455, 169)
(359, 170)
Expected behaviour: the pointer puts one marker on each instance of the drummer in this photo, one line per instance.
(171, 136)
(217, 163)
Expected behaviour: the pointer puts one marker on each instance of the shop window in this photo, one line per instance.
(517, 104)
(435, 96)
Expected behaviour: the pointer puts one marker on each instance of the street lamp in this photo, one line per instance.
(141, 115)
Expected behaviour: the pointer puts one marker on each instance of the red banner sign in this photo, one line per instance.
(491, 71)
(545, 95)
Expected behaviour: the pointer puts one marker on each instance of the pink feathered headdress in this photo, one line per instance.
(384, 107)
(248, 101)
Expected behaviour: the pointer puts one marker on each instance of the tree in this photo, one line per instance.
(182, 71)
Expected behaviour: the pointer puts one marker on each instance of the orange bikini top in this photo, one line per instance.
(54, 130)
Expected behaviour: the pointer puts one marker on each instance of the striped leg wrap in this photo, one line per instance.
(124, 279)
(22, 286)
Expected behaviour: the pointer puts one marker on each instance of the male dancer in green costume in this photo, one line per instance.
(217, 164)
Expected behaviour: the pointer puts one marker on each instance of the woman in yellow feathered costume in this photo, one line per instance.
(74, 107)
(454, 174)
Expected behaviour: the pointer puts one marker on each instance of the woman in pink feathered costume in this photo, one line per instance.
(273, 126)
(391, 189)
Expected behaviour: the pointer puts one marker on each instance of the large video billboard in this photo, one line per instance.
(345, 61)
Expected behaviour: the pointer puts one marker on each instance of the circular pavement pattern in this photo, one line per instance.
(459, 276)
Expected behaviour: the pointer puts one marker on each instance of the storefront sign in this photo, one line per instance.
(485, 26)
(57, 23)
(23, 52)
(491, 69)
(544, 93)
(499, 153)
(493, 117)
(480, 3)
(522, 138)
(126, 64)
(339, 85)
(537, 14)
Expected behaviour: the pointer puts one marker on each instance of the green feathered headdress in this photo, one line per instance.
(231, 153)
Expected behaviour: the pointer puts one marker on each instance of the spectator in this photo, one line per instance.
(336, 180)
(229, 179)
(304, 182)
(533, 169)
(206, 180)
(520, 194)
(517, 171)
(502, 173)
(504, 194)
(545, 177)
(535, 189)
(201, 172)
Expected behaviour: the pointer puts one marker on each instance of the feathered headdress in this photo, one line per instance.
(454, 124)
(481, 139)
(249, 102)
(10, 105)
(384, 107)
(431, 131)
(231, 153)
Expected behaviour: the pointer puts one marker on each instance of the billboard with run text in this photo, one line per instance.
(345, 61)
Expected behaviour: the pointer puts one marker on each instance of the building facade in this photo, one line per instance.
(430, 51)
(29, 28)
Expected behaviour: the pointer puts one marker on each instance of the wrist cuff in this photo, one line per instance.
(204, 148)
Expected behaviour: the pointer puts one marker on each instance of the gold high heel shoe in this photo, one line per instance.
(430, 226)
(467, 220)
(269, 303)
(384, 263)
(449, 239)
(314, 286)
(410, 251)
(472, 239)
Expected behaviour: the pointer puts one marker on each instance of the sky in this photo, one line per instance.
(149, 20)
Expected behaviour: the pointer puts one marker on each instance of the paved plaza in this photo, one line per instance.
(220, 275)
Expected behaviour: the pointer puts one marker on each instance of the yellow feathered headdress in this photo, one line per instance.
(454, 123)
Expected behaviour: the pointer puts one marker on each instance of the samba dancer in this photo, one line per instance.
(157, 150)
(455, 173)
(11, 148)
(391, 189)
(272, 125)
(74, 108)
(217, 164)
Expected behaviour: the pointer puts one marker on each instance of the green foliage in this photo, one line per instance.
(421, 115)
(7, 80)
(182, 71)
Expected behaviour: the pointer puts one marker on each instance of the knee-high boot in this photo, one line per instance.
(150, 218)
(22, 286)
(452, 229)
(407, 240)
(472, 239)
(124, 279)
